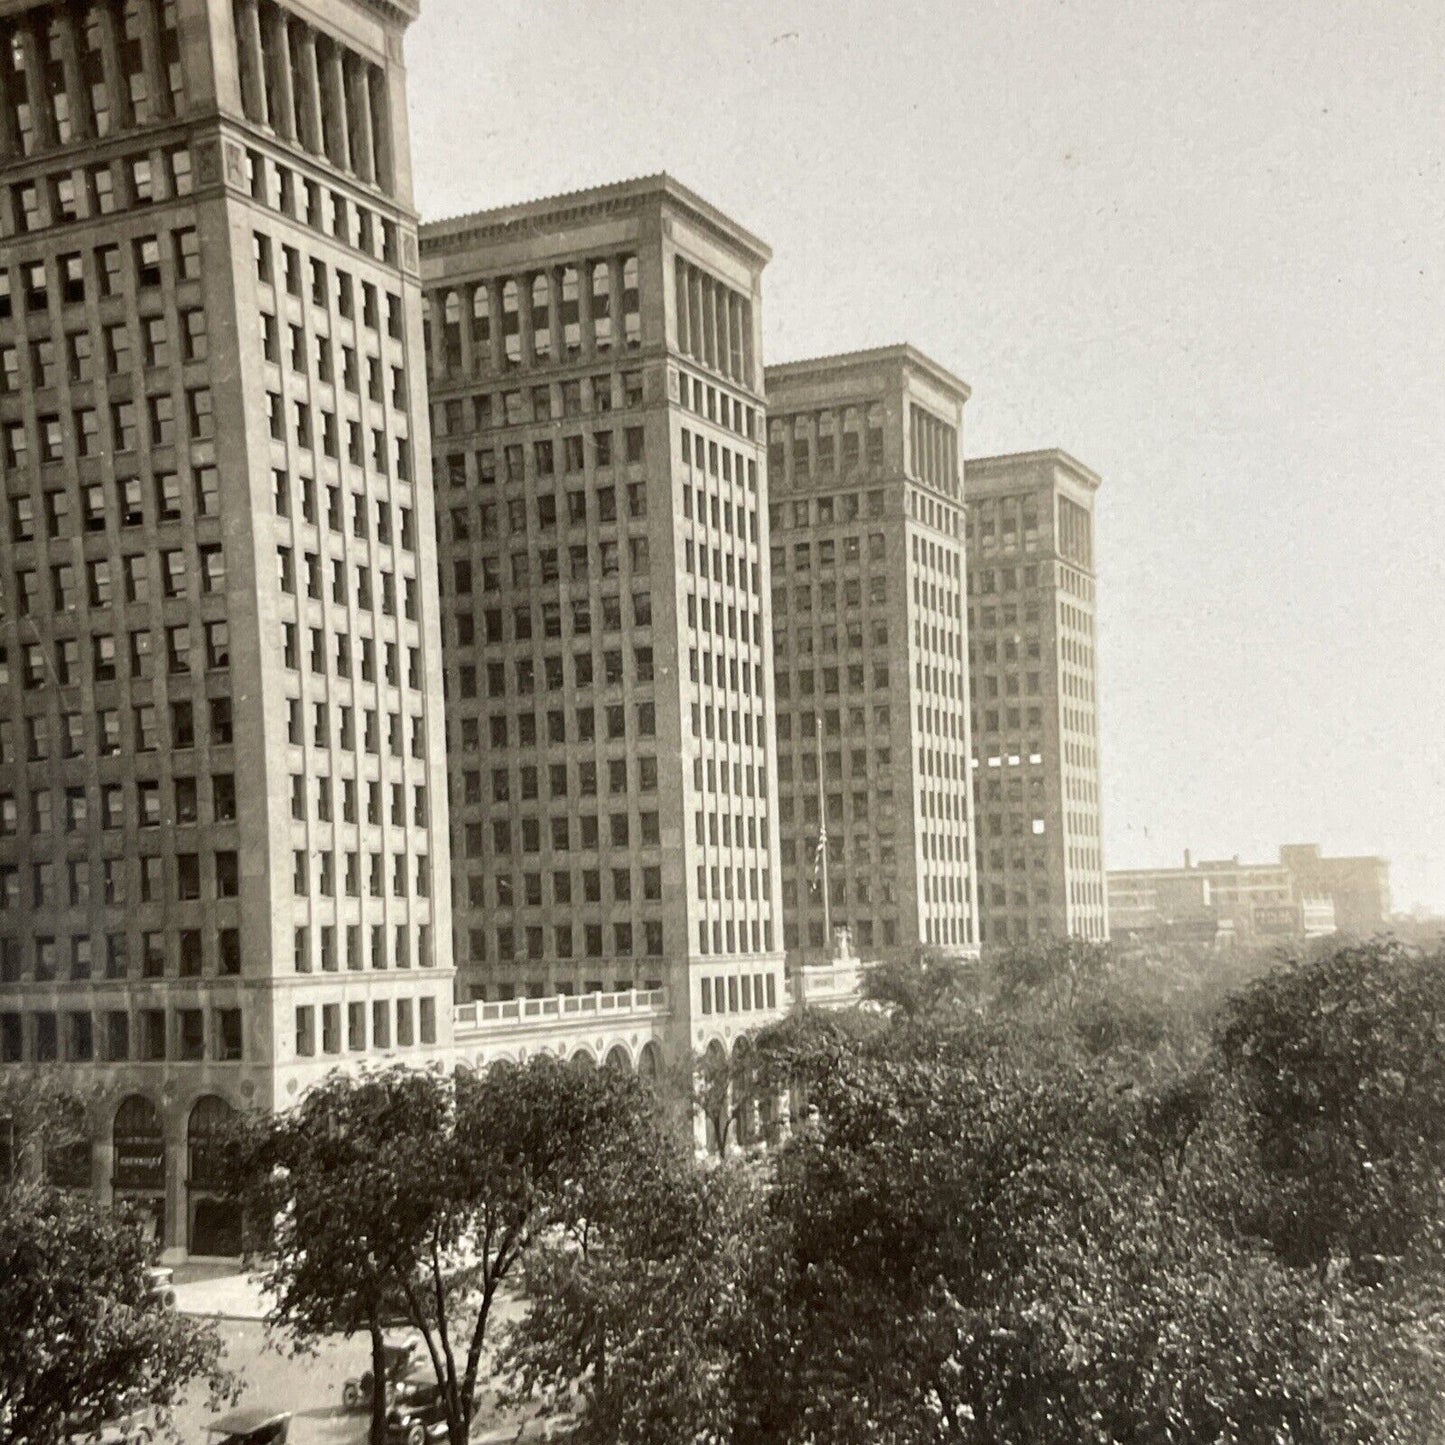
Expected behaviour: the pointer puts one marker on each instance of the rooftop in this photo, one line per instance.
(572, 207)
(1008, 461)
(899, 352)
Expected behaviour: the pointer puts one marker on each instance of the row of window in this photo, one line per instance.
(738, 994)
(76, 815)
(105, 585)
(725, 936)
(183, 877)
(550, 401)
(593, 452)
(501, 733)
(410, 1030)
(80, 955)
(124, 504)
(108, 37)
(150, 1036)
(331, 949)
(580, 558)
(829, 444)
(808, 514)
(585, 674)
(827, 595)
(527, 833)
(567, 887)
(120, 432)
(180, 735)
(314, 870)
(508, 322)
(102, 272)
(58, 663)
(68, 196)
(832, 680)
(163, 342)
(587, 940)
(550, 612)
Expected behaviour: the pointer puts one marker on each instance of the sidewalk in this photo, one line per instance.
(219, 1292)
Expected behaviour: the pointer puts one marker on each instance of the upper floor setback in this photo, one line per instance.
(327, 86)
(1006, 495)
(642, 265)
(890, 408)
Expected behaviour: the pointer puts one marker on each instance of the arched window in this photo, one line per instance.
(67, 1148)
(140, 1148)
(452, 332)
(617, 1060)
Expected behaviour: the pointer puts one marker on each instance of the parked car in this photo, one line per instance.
(250, 1427)
(417, 1415)
(160, 1286)
(133, 1428)
(398, 1357)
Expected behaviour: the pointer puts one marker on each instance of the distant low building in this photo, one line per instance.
(1218, 900)
(1359, 887)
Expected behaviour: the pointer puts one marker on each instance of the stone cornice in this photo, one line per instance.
(900, 353)
(571, 208)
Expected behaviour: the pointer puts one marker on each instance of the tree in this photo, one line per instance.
(633, 1317)
(927, 987)
(82, 1339)
(1341, 1066)
(418, 1192)
(329, 1190)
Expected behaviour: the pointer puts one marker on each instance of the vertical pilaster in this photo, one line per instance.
(31, 36)
(381, 129)
(82, 123)
(554, 314)
(283, 121)
(499, 345)
(122, 114)
(363, 156)
(465, 326)
(158, 85)
(9, 97)
(308, 89)
(252, 57)
(338, 132)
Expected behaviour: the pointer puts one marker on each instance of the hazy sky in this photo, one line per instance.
(1200, 246)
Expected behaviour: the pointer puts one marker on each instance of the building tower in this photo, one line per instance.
(1030, 533)
(597, 401)
(866, 503)
(223, 843)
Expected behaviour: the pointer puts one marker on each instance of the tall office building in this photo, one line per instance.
(1030, 531)
(596, 390)
(866, 502)
(223, 850)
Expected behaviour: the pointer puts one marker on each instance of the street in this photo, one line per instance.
(310, 1386)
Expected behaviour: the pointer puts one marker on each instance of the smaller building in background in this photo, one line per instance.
(1303, 895)
(1358, 887)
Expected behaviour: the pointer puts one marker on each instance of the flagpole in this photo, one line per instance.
(823, 843)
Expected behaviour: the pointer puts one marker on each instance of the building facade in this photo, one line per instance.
(223, 843)
(597, 405)
(870, 651)
(1359, 887)
(1032, 661)
(1304, 894)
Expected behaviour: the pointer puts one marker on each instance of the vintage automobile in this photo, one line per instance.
(398, 1357)
(256, 1426)
(160, 1286)
(129, 1429)
(418, 1414)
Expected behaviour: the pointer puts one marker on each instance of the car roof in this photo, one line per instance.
(242, 1422)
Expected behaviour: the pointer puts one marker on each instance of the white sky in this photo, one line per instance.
(1199, 245)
